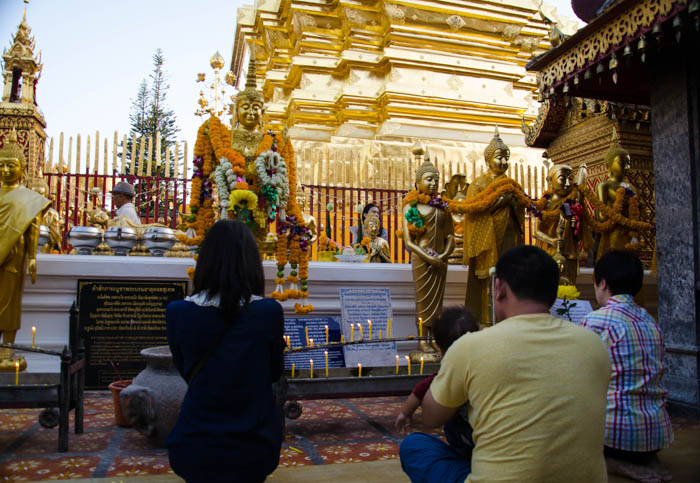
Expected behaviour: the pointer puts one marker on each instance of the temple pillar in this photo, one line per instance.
(675, 101)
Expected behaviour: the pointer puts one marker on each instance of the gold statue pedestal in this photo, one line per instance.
(8, 360)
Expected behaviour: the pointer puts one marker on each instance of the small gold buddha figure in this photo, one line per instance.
(21, 211)
(309, 220)
(378, 250)
(563, 224)
(617, 160)
(428, 234)
(51, 218)
(490, 231)
(456, 189)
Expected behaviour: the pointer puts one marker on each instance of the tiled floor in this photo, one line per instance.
(328, 432)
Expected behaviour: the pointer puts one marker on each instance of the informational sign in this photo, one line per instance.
(119, 318)
(577, 309)
(296, 328)
(359, 306)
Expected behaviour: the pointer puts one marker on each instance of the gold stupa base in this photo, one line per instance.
(103, 249)
(179, 250)
(7, 364)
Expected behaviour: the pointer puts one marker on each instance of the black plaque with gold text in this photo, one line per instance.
(118, 319)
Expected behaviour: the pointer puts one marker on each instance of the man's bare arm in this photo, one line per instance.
(434, 413)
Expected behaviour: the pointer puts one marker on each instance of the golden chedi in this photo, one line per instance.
(493, 223)
(377, 248)
(428, 235)
(21, 211)
(564, 226)
(51, 218)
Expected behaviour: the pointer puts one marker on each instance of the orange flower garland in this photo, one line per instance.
(484, 200)
(213, 144)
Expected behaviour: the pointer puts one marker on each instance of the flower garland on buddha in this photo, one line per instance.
(245, 196)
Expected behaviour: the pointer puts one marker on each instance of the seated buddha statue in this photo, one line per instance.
(428, 235)
(617, 160)
(456, 189)
(490, 230)
(563, 223)
(378, 250)
(309, 220)
(21, 211)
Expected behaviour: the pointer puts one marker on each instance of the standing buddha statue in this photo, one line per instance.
(564, 221)
(428, 235)
(51, 218)
(618, 209)
(493, 223)
(21, 211)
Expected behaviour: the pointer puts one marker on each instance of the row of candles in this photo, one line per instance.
(17, 362)
(359, 366)
(389, 333)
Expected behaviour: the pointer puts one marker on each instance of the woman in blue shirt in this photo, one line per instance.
(226, 341)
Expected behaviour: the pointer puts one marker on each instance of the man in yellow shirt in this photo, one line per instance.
(536, 388)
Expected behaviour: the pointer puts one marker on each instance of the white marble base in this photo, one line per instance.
(46, 304)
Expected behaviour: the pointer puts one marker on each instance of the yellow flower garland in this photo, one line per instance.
(487, 198)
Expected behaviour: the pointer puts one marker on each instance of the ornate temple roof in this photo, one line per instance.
(606, 59)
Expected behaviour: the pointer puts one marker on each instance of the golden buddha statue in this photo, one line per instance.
(456, 189)
(378, 250)
(491, 230)
(428, 234)
(309, 220)
(21, 211)
(563, 224)
(51, 218)
(617, 159)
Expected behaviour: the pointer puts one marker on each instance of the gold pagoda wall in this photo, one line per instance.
(360, 80)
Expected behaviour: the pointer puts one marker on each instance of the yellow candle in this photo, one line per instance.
(311, 342)
(325, 356)
(421, 366)
(352, 332)
(33, 336)
(390, 328)
(292, 371)
(397, 364)
(369, 323)
(326, 334)
(380, 333)
(359, 370)
(342, 339)
(306, 331)
(311, 372)
(408, 360)
(362, 334)
(420, 326)
(16, 373)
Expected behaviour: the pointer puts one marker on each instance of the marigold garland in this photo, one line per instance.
(213, 143)
(488, 197)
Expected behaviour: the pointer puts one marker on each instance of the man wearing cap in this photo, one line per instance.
(122, 195)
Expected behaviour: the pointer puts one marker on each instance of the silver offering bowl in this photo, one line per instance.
(44, 236)
(159, 240)
(121, 239)
(84, 239)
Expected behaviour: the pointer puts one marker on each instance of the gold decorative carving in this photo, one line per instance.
(612, 34)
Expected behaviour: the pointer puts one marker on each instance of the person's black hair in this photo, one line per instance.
(366, 209)
(229, 266)
(621, 270)
(453, 324)
(531, 274)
